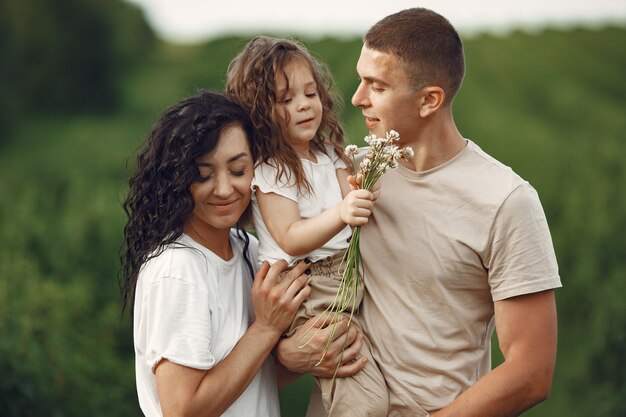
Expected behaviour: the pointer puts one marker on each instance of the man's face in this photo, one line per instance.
(385, 95)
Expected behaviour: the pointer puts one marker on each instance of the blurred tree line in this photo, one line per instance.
(63, 349)
(61, 56)
(82, 82)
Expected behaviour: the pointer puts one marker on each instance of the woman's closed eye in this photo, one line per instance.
(238, 173)
(204, 178)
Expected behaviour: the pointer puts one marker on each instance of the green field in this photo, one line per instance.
(552, 105)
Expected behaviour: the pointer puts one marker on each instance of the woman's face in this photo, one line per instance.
(223, 192)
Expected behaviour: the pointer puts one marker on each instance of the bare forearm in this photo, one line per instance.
(225, 382)
(307, 235)
(508, 390)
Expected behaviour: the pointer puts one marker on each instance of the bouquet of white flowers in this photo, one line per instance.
(383, 153)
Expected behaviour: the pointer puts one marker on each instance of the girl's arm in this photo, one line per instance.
(297, 236)
(343, 176)
(186, 391)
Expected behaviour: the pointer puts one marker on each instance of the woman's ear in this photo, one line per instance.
(432, 98)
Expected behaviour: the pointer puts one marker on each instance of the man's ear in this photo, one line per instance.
(432, 98)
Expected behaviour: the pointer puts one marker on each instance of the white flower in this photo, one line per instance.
(392, 135)
(370, 139)
(407, 152)
(351, 150)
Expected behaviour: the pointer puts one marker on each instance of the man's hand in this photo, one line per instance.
(304, 359)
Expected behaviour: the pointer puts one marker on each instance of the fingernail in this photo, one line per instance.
(307, 261)
(308, 271)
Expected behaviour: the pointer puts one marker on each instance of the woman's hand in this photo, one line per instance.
(277, 297)
(194, 392)
(304, 359)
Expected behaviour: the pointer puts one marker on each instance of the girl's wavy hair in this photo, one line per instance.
(252, 77)
(159, 200)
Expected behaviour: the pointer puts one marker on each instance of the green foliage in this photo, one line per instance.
(549, 105)
(61, 56)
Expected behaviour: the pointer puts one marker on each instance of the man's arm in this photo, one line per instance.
(300, 359)
(527, 333)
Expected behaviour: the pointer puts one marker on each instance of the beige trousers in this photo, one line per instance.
(363, 394)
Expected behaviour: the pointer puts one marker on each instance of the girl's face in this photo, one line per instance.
(299, 105)
(223, 192)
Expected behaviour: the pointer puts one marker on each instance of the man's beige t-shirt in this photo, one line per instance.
(440, 247)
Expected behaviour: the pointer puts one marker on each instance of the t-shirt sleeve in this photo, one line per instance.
(266, 180)
(522, 257)
(177, 324)
(338, 163)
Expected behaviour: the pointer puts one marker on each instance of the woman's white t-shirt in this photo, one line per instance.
(326, 193)
(191, 308)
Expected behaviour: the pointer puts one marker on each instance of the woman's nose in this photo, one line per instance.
(223, 186)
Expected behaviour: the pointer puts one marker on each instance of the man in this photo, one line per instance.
(457, 244)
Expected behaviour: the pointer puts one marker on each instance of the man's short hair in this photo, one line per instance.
(427, 44)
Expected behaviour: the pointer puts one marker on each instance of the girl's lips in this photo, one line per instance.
(306, 121)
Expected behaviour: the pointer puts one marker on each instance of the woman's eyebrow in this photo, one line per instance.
(239, 155)
(231, 159)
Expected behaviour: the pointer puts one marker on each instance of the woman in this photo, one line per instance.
(203, 329)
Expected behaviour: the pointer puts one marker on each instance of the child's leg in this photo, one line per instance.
(363, 394)
(324, 282)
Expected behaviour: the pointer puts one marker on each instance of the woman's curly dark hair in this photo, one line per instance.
(159, 200)
(252, 79)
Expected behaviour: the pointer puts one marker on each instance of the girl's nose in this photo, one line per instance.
(304, 104)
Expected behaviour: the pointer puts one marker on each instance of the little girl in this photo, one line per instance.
(303, 206)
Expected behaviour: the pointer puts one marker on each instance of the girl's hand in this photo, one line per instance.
(355, 183)
(356, 208)
(277, 297)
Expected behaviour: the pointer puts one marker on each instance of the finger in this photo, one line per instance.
(259, 277)
(351, 368)
(348, 352)
(353, 182)
(273, 275)
(301, 294)
(296, 286)
(376, 194)
(353, 346)
(320, 321)
(294, 273)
